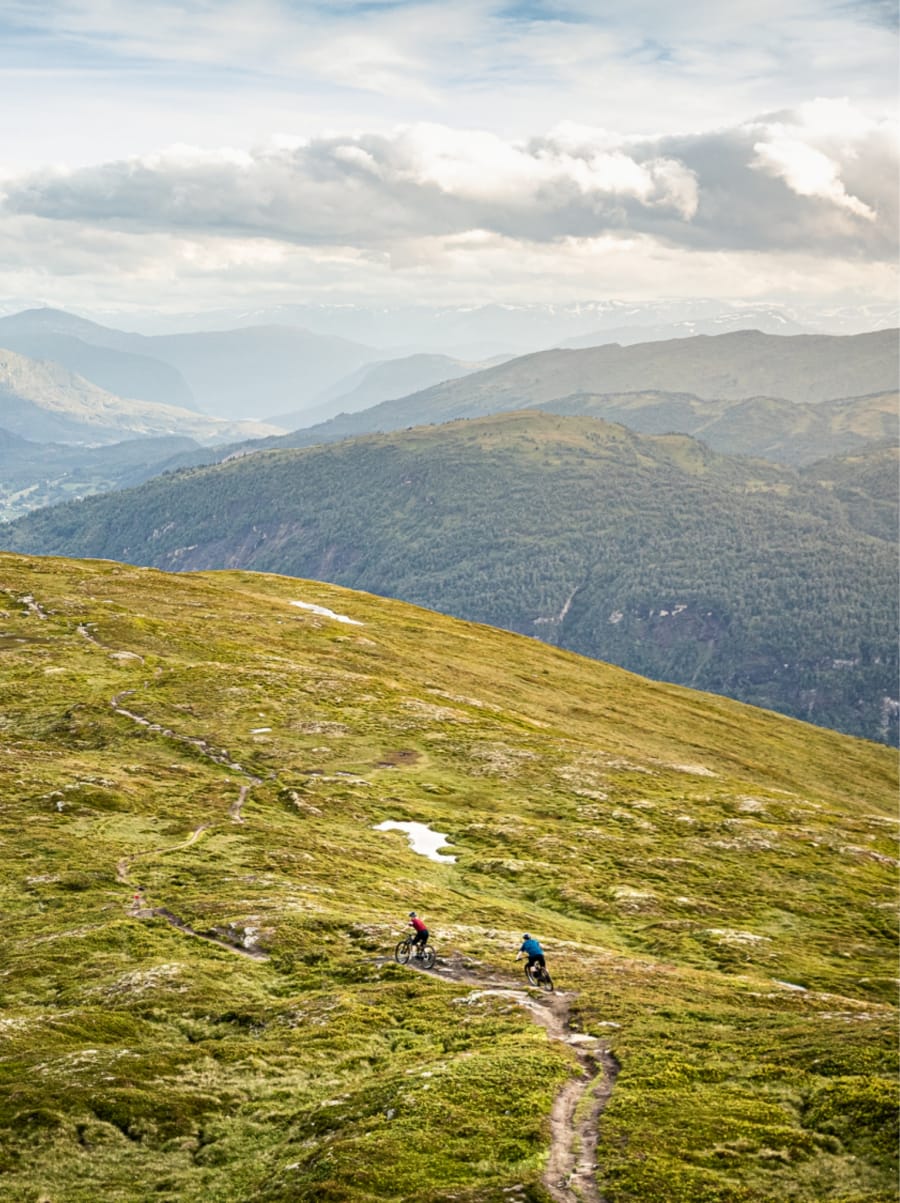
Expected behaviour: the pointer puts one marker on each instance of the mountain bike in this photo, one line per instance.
(405, 951)
(538, 976)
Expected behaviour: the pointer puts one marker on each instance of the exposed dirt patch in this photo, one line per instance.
(401, 758)
(234, 811)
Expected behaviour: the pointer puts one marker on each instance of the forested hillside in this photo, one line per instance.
(40, 474)
(724, 574)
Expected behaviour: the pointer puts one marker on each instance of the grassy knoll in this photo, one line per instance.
(688, 862)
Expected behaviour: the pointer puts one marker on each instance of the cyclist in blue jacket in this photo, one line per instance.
(533, 951)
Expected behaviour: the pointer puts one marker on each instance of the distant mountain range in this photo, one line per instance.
(655, 553)
(793, 399)
(470, 332)
(716, 377)
(138, 377)
(44, 402)
(234, 374)
(766, 321)
(373, 383)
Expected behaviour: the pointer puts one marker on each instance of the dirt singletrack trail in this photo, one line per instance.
(123, 866)
(571, 1172)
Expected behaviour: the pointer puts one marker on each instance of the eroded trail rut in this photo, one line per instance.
(571, 1173)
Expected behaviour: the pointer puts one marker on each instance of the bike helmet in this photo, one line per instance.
(526, 936)
(412, 914)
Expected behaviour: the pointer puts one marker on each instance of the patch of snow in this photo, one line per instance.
(790, 985)
(259, 730)
(323, 612)
(421, 839)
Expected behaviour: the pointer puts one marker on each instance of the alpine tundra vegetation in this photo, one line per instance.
(199, 998)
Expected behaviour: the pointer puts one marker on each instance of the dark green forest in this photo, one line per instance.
(771, 585)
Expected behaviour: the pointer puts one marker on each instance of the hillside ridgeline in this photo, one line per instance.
(789, 399)
(725, 574)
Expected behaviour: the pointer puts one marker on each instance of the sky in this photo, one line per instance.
(255, 153)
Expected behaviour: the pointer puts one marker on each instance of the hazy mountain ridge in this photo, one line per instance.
(124, 373)
(477, 330)
(731, 575)
(767, 321)
(44, 402)
(381, 381)
(238, 373)
(196, 1000)
(572, 382)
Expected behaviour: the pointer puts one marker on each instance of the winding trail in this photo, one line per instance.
(218, 756)
(234, 811)
(240, 950)
(123, 866)
(571, 1172)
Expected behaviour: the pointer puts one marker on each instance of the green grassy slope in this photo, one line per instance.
(687, 861)
(723, 574)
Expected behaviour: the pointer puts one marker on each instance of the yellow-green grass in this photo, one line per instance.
(686, 860)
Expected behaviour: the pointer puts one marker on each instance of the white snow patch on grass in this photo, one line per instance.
(323, 612)
(421, 839)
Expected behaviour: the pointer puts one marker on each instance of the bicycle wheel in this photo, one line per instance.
(401, 952)
(545, 981)
(531, 973)
(427, 957)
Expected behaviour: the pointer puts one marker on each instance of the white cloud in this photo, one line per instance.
(782, 182)
(386, 146)
(808, 172)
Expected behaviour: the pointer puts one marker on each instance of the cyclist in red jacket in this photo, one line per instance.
(421, 932)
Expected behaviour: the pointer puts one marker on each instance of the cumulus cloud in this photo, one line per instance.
(819, 179)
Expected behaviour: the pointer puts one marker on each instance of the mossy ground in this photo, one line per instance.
(686, 860)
